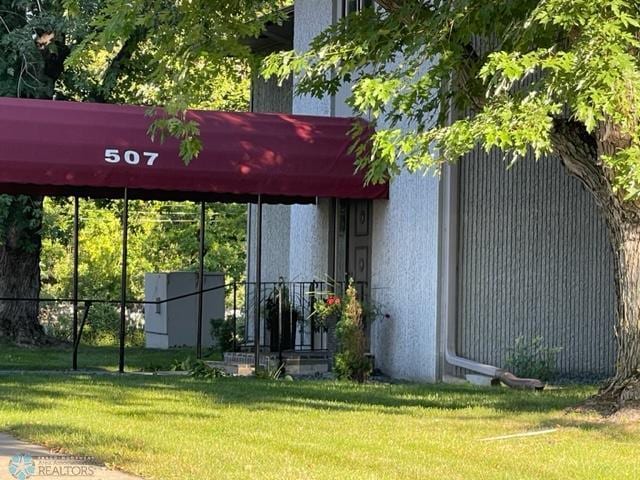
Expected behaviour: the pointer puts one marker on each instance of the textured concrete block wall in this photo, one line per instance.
(268, 96)
(533, 260)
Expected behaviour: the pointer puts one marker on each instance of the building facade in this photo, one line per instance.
(463, 264)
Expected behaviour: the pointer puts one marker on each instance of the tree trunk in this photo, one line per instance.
(582, 155)
(20, 270)
(21, 216)
(625, 385)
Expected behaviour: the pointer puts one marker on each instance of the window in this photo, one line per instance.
(350, 6)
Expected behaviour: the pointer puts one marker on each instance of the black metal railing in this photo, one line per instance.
(285, 315)
(89, 302)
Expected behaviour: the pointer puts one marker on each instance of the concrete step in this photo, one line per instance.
(296, 363)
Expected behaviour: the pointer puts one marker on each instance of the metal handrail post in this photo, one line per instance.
(200, 280)
(123, 284)
(280, 323)
(312, 304)
(76, 228)
(258, 293)
(235, 316)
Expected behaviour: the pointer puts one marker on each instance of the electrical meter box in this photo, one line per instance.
(175, 323)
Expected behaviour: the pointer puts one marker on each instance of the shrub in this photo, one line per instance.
(222, 333)
(351, 361)
(532, 359)
(57, 321)
(197, 368)
(135, 337)
(203, 371)
(270, 372)
(103, 327)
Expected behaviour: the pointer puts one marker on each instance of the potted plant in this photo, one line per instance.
(344, 319)
(279, 301)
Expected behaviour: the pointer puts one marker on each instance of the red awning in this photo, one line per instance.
(64, 148)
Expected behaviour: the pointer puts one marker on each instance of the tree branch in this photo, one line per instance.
(119, 62)
(580, 153)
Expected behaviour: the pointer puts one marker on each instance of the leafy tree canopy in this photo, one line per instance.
(163, 237)
(505, 71)
(178, 55)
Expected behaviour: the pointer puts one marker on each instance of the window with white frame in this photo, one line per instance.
(350, 6)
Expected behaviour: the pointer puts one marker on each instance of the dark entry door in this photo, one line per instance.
(353, 243)
(353, 225)
(359, 246)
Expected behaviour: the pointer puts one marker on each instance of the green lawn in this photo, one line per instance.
(182, 428)
(89, 358)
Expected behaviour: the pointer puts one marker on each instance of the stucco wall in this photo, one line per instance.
(275, 242)
(311, 18)
(404, 278)
(530, 251)
(299, 253)
(404, 250)
(269, 97)
(308, 258)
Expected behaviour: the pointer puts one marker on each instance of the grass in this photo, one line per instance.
(89, 358)
(183, 428)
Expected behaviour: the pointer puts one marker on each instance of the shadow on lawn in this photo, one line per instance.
(397, 398)
(36, 391)
(91, 358)
(156, 398)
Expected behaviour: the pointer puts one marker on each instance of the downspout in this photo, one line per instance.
(448, 266)
(448, 269)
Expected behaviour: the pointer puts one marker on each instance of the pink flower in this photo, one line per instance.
(333, 300)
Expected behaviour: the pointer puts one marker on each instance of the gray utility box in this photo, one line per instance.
(175, 323)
